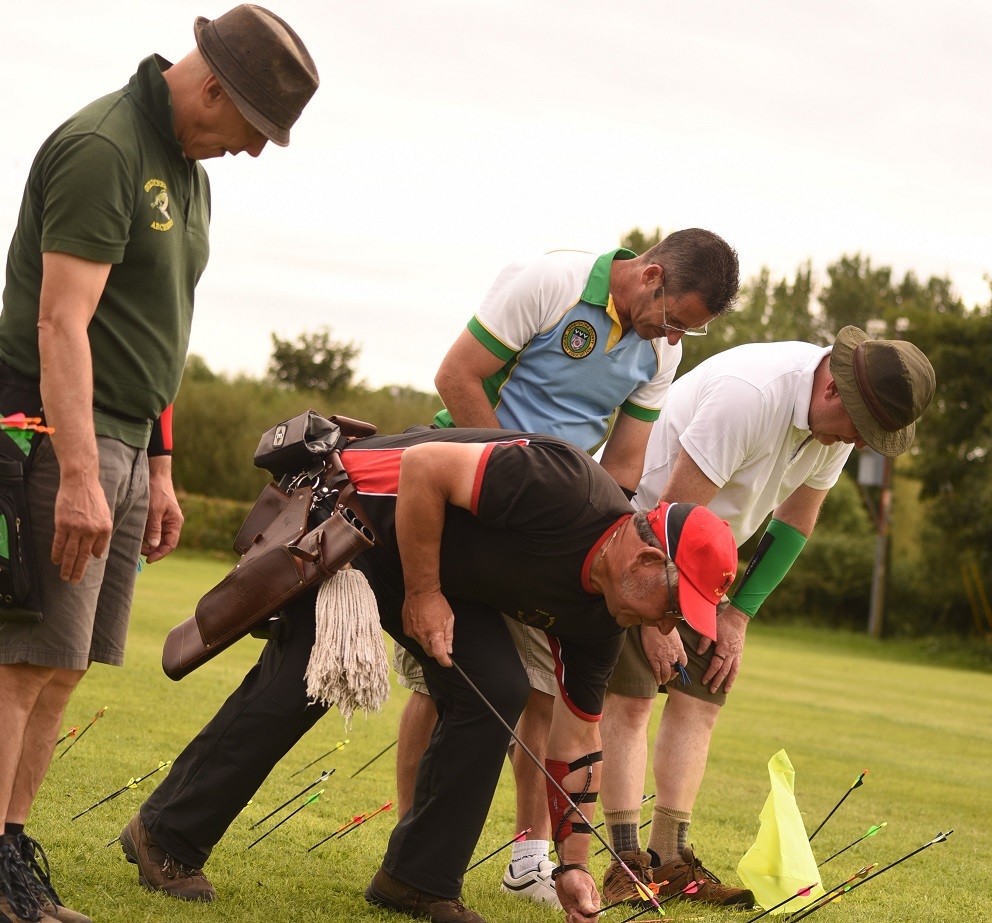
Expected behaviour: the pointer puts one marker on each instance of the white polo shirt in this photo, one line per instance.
(743, 417)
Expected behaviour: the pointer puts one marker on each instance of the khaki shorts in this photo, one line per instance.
(532, 646)
(87, 621)
(633, 677)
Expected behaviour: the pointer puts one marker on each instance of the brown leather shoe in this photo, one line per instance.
(618, 885)
(688, 879)
(158, 871)
(386, 891)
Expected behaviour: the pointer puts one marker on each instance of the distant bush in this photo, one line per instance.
(211, 523)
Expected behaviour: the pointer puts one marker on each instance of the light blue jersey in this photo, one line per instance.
(567, 366)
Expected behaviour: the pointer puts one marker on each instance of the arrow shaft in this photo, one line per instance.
(574, 807)
(323, 777)
(865, 881)
(286, 818)
(358, 824)
(499, 849)
(371, 761)
(319, 758)
(799, 893)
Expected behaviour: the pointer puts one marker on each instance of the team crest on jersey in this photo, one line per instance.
(158, 202)
(536, 619)
(579, 339)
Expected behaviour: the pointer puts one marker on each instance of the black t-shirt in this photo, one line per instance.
(542, 509)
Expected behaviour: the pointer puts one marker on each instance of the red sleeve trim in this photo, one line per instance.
(555, 646)
(479, 474)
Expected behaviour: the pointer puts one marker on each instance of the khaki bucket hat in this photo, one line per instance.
(262, 64)
(885, 386)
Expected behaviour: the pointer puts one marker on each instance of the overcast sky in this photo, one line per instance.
(451, 136)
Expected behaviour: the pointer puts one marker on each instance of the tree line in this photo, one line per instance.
(940, 551)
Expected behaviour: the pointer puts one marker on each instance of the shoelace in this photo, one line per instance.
(697, 870)
(30, 849)
(16, 881)
(174, 869)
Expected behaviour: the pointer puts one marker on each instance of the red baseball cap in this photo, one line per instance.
(703, 549)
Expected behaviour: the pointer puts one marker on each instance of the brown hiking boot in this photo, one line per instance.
(688, 879)
(386, 891)
(617, 884)
(158, 871)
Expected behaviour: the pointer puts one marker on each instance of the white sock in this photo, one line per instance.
(527, 855)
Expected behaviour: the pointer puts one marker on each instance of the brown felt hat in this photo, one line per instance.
(262, 64)
(885, 386)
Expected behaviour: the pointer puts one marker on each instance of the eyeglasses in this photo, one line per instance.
(673, 612)
(675, 328)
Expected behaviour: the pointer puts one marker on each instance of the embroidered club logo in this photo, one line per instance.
(158, 202)
(579, 339)
(536, 619)
(728, 578)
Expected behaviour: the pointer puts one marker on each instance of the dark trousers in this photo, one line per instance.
(223, 766)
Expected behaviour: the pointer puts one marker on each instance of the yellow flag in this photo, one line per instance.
(781, 863)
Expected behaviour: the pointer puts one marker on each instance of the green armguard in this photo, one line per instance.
(777, 552)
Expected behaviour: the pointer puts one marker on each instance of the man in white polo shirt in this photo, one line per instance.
(763, 428)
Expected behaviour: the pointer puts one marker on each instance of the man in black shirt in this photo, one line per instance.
(470, 523)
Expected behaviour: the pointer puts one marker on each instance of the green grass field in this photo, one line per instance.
(836, 703)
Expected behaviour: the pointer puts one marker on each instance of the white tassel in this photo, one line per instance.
(348, 664)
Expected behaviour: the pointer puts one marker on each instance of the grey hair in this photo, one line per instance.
(646, 534)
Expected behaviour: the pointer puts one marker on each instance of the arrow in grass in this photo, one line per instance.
(802, 892)
(858, 782)
(326, 774)
(70, 733)
(309, 800)
(388, 806)
(516, 839)
(939, 838)
(357, 819)
(79, 736)
(333, 749)
(131, 783)
(371, 761)
(871, 832)
(833, 894)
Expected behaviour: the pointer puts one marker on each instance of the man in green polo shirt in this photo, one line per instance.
(111, 239)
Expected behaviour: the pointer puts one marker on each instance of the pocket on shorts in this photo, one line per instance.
(20, 600)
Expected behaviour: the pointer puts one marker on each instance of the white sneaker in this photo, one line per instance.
(533, 885)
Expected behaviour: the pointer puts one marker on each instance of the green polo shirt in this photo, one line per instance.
(112, 185)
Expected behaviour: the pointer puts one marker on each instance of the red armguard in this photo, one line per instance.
(558, 807)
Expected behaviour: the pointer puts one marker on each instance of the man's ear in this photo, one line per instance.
(649, 558)
(830, 391)
(652, 275)
(211, 92)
